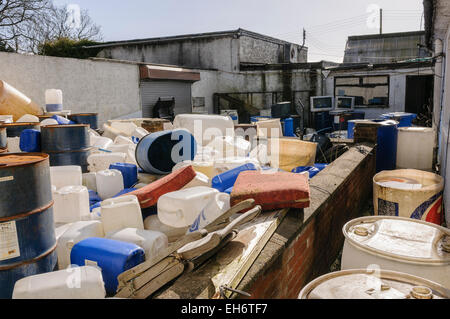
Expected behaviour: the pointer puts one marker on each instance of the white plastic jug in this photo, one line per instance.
(75, 233)
(140, 132)
(90, 181)
(101, 161)
(200, 179)
(75, 283)
(109, 183)
(153, 242)
(60, 229)
(122, 140)
(62, 176)
(121, 148)
(53, 100)
(28, 118)
(181, 208)
(125, 127)
(152, 222)
(218, 205)
(229, 146)
(121, 212)
(100, 141)
(71, 204)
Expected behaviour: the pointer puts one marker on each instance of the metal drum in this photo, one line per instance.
(85, 118)
(66, 144)
(15, 129)
(372, 284)
(27, 233)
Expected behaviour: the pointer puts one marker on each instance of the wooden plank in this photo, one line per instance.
(230, 264)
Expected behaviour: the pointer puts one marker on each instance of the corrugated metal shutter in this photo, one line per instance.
(152, 90)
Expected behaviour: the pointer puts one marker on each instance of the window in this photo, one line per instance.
(369, 91)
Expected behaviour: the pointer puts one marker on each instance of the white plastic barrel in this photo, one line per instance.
(109, 183)
(75, 283)
(415, 148)
(372, 284)
(120, 213)
(101, 161)
(204, 127)
(75, 233)
(153, 242)
(62, 176)
(71, 204)
(399, 244)
(409, 193)
(181, 208)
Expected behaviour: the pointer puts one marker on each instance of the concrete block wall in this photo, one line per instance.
(307, 243)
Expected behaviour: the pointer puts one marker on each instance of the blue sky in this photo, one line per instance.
(328, 23)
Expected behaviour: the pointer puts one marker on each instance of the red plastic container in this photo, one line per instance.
(272, 190)
(148, 196)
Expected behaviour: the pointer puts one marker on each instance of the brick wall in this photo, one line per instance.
(308, 242)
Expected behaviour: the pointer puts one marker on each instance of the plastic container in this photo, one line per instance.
(218, 205)
(129, 173)
(351, 127)
(13, 144)
(53, 100)
(372, 284)
(415, 148)
(152, 222)
(75, 233)
(148, 196)
(153, 242)
(109, 183)
(228, 146)
(62, 120)
(287, 153)
(206, 168)
(159, 152)
(121, 148)
(90, 181)
(30, 141)
(227, 179)
(47, 122)
(205, 127)
(225, 164)
(28, 118)
(74, 283)
(6, 118)
(399, 244)
(312, 170)
(102, 161)
(181, 208)
(62, 176)
(125, 127)
(200, 179)
(409, 193)
(404, 119)
(272, 190)
(15, 103)
(100, 141)
(113, 257)
(269, 129)
(121, 212)
(71, 204)
(140, 132)
(288, 127)
(120, 140)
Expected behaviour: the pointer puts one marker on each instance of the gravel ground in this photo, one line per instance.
(368, 211)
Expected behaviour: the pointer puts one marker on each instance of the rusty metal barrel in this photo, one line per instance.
(15, 129)
(66, 144)
(27, 233)
(85, 118)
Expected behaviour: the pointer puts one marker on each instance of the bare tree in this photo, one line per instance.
(25, 25)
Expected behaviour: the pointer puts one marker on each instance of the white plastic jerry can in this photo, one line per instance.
(109, 183)
(153, 242)
(181, 208)
(90, 181)
(62, 176)
(74, 283)
(218, 205)
(121, 212)
(101, 161)
(75, 233)
(71, 204)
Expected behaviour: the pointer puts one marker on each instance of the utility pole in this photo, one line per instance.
(381, 21)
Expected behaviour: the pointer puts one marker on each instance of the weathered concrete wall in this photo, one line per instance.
(110, 89)
(397, 88)
(209, 53)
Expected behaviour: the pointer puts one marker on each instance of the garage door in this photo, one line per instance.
(152, 90)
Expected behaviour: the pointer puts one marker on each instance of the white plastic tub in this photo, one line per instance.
(75, 283)
(71, 204)
(120, 213)
(75, 233)
(399, 244)
(62, 176)
(153, 242)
